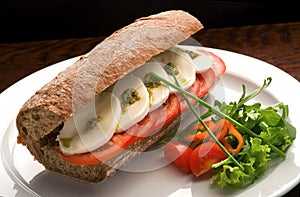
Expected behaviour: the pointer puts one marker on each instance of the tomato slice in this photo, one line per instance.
(204, 156)
(218, 66)
(179, 154)
(120, 141)
(207, 80)
(194, 89)
(144, 127)
(167, 111)
(93, 157)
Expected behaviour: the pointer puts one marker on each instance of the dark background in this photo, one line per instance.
(29, 20)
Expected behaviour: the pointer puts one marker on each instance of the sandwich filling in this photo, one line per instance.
(136, 105)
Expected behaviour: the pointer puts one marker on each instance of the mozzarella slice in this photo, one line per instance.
(158, 92)
(92, 126)
(181, 63)
(201, 60)
(134, 99)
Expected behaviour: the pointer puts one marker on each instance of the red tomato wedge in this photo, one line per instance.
(179, 154)
(204, 156)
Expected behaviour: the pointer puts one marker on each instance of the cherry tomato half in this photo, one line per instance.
(179, 154)
(204, 156)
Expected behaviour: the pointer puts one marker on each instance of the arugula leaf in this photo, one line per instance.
(278, 136)
(272, 129)
(290, 129)
(269, 116)
(284, 108)
(254, 159)
(243, 99)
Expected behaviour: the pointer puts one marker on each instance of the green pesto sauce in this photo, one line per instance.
(66, 142)
(182, 80)
(92, 122)
(192, 54)
(149, 78)
(169, 67)
(150, 86)
(129, 97)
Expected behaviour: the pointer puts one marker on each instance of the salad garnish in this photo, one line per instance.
(253, 137)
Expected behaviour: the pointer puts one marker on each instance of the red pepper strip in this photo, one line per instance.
(199, 136)
(222, 126)
(220, 130)
(239, 137)
(194, 144)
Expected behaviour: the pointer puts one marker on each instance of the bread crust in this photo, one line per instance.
(117, 55)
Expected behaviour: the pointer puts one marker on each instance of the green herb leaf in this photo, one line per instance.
(254, 159)
(270, 116)
(291, 130)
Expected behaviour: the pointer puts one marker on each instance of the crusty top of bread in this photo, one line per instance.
(117, 55)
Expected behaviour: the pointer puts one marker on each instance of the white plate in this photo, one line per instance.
(22, 176)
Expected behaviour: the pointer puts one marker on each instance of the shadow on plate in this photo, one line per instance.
(153, 183)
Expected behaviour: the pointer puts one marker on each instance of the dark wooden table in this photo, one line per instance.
(277, 44)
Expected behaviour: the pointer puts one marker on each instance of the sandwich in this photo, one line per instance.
(98, 114)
